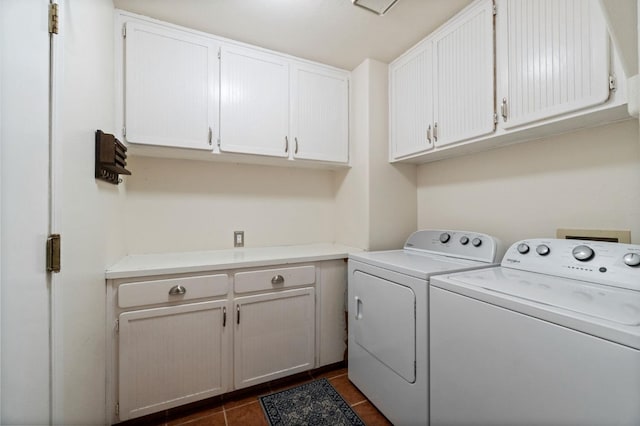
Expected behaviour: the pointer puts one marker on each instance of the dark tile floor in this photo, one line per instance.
(243, 407)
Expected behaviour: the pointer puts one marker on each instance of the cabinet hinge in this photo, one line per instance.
(117, 408)
(124, 131)
(495, 9)
(218, 142)
(612, 82)
(53, 253)
(117, 326)
(495, 119)
(53, 18)
(219, 54)
(124, 30)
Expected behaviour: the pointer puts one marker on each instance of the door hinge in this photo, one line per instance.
(53, 18)
(124, 30)
(53, 253)
(612, 82)
(117, 408)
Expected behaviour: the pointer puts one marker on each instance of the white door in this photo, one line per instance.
(465, 77)
(274, 335)
(319, 113)
(384, 322)
(24, 154)
(411, 102)
(172, 356)
(171, 82)
(553, 58)
(254, 102)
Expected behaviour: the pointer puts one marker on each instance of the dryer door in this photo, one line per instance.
(385, 322)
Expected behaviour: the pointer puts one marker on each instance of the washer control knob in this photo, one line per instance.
(543, 250)
(631, 259)
(477, 242)
(444, 237)
(523, 248)
(464, 240)
(583, 253)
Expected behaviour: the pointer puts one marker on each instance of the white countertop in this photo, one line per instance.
(144, 265)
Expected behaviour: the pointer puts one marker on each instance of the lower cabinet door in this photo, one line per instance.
(172, 356)
(274, 335)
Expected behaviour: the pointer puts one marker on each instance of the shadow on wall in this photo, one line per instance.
(208, 177)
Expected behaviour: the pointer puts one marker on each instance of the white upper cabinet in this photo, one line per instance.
(553, 58)
(319, 113)
(254, 102)
(180, 88)
(442, 91)
(464, 88)
(170, 87)
(411, 102)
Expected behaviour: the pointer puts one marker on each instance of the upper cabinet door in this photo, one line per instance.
(464, 89)
(319, 113)
(554, 58)
(254, 102)
(411, 102)
(171, 80)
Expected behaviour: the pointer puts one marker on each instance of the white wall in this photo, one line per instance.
(375, 201)
(586, 179)
(89, 213)
(393, 204)
(352, 196)
(183, 205)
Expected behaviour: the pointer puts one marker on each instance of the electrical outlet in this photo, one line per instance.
(238, 238)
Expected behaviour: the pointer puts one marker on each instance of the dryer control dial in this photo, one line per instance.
(444, 237)
(543, 250)
(583, 253)
(631, 259)
(464, 240)
(523, 248)
(477, 242)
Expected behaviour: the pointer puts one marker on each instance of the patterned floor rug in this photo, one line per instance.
(314, 403)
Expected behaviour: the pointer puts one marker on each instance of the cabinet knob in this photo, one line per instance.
(277, 280)
(177, 290)
(503, 109)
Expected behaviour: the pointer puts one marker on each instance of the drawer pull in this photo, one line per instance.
(238, 311)
(177, 290)
(224, 316)
(277, 280)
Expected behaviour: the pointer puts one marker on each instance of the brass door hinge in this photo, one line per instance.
(53, 18)
(53, 253)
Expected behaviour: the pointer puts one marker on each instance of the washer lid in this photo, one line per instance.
(593, 300)
(416, 264)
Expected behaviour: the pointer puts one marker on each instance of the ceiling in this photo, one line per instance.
(333, 32)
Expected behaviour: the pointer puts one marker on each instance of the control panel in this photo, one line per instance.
(607, 263)
(460, 244)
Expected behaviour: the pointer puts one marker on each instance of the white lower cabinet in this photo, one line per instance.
(171, 356)
(177, 339)
(274, 335)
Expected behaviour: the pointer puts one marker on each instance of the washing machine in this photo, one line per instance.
(550, 337)
(387, 325)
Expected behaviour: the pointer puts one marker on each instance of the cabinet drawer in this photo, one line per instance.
(269, 279)
(172, 290)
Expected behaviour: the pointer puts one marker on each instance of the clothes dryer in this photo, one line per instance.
(388, 318)
(550, 337)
